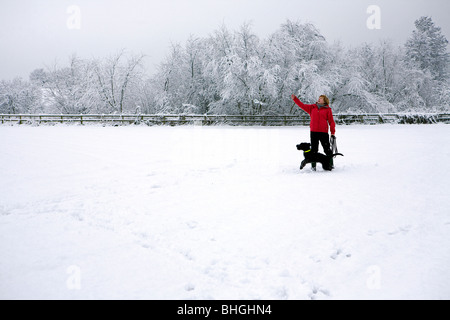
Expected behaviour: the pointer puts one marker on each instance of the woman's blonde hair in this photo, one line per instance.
(325, 99)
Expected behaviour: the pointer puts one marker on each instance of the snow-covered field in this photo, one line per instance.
(188, 212)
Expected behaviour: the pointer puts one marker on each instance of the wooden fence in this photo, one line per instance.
(260, 120)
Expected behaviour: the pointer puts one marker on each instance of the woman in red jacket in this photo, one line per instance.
(321, 116)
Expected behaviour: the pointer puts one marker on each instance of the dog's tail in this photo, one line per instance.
(337, 154)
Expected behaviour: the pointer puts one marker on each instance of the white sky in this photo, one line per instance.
(35, 33)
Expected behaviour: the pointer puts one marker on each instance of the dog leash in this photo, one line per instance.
(333, 145)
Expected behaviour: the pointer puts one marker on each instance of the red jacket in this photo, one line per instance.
(320, 118)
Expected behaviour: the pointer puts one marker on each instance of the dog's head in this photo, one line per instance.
(304, 146)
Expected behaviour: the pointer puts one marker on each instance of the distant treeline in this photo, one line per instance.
(236, 72)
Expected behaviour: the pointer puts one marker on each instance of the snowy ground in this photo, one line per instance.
(187, 212)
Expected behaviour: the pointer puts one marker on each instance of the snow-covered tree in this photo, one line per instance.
(114, 78)
(67, 89)
(428, 48)
(18, 96)
(170, 82)
(296, 60)
(242, 72)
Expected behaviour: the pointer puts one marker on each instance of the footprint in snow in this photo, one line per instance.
(3, 212)
(192, 224)
(189, 287)
(317, 293)
(403, 230)
(282, 293)
(339, 253)
(187, 254)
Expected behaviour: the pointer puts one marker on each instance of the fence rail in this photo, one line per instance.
(261, 120)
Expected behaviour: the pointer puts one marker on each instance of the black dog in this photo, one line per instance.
(311, 157)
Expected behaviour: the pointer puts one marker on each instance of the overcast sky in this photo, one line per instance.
(36, 33)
